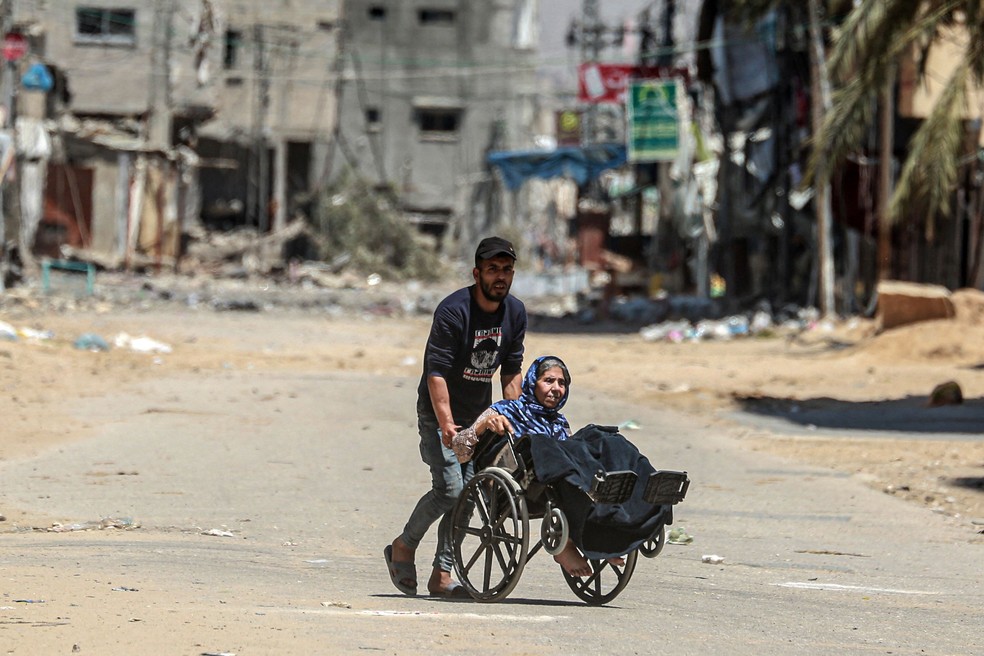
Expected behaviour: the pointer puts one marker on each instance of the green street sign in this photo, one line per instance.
(654, 123)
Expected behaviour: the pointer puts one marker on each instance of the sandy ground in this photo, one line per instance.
(836, 395)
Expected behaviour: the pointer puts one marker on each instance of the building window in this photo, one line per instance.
(377, 12)
(435, 17)
(105, 26)
(230, 53)
(373, 119)
(439, 123)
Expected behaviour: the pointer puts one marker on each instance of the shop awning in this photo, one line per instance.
(579, 163)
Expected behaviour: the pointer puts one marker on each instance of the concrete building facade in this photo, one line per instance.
(428, 88)
(242, 87)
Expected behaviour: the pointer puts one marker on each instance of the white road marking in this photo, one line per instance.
(537, 619)
(852, 588)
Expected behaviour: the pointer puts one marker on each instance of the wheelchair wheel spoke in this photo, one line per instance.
(490, 552)
(487, 574)
(606, 581)
(475, 556)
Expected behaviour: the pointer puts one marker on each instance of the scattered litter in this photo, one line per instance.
(125, 589)
(317, 561)
(288, 543)
(141, 344)
(8, 332)
(28, 601)
(408, 361)
(35, 335)
(374, 279)
(219, 533)
(629, 424)
(91, 342)
(218, 653)
(712, 559)
(678, 536)
(95, 525)
(335, 604)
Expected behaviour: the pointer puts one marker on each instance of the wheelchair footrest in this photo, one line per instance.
(612, 487)
(666, 488)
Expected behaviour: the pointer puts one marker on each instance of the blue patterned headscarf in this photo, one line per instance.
(526, 414)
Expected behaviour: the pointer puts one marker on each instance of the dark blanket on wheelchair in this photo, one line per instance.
(600, 530)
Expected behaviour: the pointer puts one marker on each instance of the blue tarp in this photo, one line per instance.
(581, 164)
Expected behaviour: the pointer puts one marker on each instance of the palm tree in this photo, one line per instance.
(867, 47)
(869, 39)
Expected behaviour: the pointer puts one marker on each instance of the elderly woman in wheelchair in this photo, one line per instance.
(599, 499)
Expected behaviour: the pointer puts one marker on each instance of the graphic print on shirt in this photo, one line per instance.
(485, 354)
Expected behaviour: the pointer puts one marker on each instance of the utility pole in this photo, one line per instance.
(821, 101)
(7, 150)
(667, 55)
(590, 51)
(258, 165)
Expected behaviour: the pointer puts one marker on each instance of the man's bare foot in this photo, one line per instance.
(402, 553)
(572, 561)
(442, 585)
(618, 562)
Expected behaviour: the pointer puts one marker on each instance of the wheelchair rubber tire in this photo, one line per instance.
(606, 582)
(490, 534)
(554, 530)
(654, 545)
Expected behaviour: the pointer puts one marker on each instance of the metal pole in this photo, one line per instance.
(590, 50)
(8, 119)
(8, 100)
(821, 103)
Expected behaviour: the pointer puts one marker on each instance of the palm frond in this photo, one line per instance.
(974, 15)
(886, 31)
(850, 38)
(842, 130)
(930, 169)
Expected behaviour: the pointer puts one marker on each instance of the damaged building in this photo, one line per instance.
(163, 116)
(166, 118)
(429, 88)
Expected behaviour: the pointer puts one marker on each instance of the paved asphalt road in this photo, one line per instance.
(313, 474)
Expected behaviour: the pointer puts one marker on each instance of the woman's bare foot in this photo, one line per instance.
(618, 562)
(572, 561)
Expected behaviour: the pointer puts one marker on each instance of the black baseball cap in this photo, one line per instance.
(491, 247)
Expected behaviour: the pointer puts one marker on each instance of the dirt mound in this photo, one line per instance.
(959, 341)
(969, 304)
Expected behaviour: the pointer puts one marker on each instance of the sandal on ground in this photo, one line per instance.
(403, 575)
(453, 591)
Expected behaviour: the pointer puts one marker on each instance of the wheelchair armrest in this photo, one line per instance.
(612, 487)
(666, 488)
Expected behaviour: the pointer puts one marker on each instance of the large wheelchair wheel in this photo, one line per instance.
(606, 581)
(490, 529)
(651, 547)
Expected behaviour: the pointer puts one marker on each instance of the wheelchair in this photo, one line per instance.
(491, 521)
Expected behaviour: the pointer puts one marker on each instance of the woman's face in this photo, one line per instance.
(550, 387)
